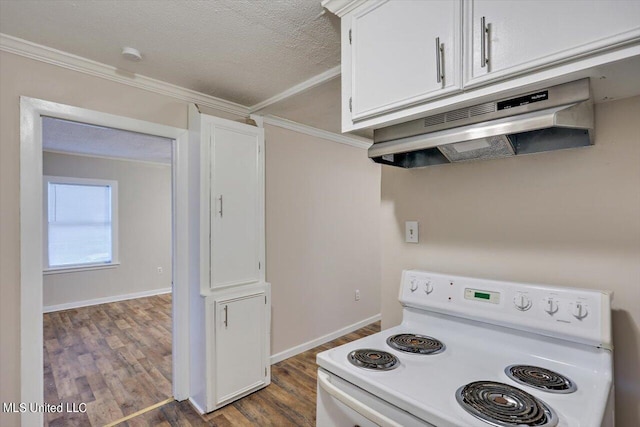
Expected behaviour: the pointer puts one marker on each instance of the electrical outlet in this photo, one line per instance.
(357, 295)
(159, 270)
(411, 232)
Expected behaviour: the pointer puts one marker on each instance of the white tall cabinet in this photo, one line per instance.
(230, 304)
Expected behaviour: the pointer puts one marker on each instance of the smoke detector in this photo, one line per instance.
(131, 54)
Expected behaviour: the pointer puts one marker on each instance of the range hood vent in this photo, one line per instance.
(555, 118)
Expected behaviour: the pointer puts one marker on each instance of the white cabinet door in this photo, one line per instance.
(240, 333)
(525, 35)
(236, 204)
(402, 53)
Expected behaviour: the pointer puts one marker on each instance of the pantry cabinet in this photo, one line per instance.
(404, 59)
(523, 36)
(396, 60)
(230, 304)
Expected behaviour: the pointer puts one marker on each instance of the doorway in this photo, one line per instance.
(107, 271)
(33, 112)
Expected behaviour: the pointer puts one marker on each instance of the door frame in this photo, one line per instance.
(31, 232)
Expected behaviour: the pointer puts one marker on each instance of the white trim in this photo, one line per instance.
(299, 88)
(105, 300)
(278, 357)
(52, 56)
(352, 140)
(80, 267)
(31, 205)
(342, 7)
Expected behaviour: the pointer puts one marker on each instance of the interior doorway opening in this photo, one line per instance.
(33, 113)
(107, 274)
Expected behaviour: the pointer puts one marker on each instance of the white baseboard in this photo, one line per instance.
(278, 357)
(104, 300)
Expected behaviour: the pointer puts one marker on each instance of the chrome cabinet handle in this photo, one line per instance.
(226, 316)
(220, 210)
(484, 59)
(439, 60)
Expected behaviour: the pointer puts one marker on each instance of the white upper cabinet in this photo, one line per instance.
(522, 36)
(405, 59)
(402, 53)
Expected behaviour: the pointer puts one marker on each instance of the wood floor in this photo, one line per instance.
(117, 359)
(114, 357)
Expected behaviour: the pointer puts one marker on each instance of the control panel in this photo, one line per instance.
(580, 315)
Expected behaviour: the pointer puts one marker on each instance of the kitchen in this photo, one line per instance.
(564, 218)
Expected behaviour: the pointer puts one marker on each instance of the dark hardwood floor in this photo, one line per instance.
(117, 359)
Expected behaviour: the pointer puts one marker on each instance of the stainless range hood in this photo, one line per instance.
(554, 118)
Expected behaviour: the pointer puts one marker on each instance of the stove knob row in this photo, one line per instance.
(577, 309)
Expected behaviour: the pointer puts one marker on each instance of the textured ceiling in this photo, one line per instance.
(243, 51)
(80, 138)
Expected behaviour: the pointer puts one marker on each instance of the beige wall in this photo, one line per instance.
(24, 77)
(303, 234)
(144, 222)
(323, 222)
(568, 218)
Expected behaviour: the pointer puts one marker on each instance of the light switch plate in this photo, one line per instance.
(411, 232)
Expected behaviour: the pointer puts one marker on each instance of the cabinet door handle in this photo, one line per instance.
(484, 58)
(226, 316)
(439, 60)
(220, 210)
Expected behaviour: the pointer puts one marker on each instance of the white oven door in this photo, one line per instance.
(341, 404)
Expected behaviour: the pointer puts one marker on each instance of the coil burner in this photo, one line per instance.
(373, 359)
(502, 405)
(540, 378)
(417, 344)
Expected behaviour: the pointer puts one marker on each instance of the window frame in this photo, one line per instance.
(115, 260)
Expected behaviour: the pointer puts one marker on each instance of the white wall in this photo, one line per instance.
(144, 220)
(566, 218)
(323, 236)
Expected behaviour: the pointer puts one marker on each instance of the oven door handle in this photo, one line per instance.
(325, 382)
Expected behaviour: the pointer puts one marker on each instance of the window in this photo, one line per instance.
(81, 223)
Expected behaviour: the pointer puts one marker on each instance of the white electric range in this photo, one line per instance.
(476, 353)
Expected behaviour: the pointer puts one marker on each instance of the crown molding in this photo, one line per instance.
(299, 88)
(351, 140)
(341, 7)
(69, 61)
(52, 56)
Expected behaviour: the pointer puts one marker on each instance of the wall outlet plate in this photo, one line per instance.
(411, 232)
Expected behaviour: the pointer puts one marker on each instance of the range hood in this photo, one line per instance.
(554, 118)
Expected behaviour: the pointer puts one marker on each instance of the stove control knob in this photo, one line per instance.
(579, 310)
(522, 302)
(550, 306)
(428, 287)
(414, 284)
